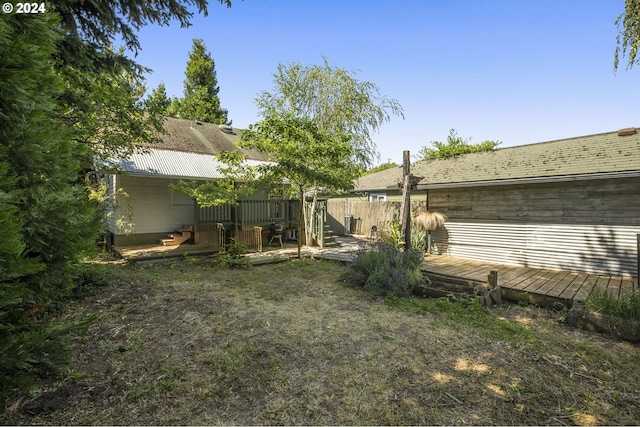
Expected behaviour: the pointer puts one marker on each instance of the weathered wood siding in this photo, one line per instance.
(587, 226)
(155, 208)
(365, 214)
(610, 201)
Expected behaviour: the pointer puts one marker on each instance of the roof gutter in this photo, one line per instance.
(534, 180)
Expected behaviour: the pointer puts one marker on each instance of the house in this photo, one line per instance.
(147, 210)
(571, 204)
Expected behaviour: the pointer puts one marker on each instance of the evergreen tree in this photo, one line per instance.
(46, 219)
(158, 101)
(65, 96)
(201, 89)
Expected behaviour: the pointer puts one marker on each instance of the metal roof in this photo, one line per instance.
(174, 164)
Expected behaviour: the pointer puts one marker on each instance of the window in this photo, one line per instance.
(378, 197)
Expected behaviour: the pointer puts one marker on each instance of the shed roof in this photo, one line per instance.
(591, 156)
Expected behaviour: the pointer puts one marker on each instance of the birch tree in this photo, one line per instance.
(335, 100)
(337, 103)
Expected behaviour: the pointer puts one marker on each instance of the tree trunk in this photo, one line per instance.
(300, 222)
(312, 215)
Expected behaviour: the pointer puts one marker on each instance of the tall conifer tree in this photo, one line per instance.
(201, 89)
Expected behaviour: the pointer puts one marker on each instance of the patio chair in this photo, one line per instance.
(277, 230)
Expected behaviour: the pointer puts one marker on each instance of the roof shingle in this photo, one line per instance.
(603, 153)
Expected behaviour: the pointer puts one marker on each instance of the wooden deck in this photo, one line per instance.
(535, 285)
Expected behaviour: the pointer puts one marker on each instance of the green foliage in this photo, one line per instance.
(380, 168)
(303, 154)
(232, 257)
(454, 146)
(65, 97)
(238, 179)
(623, 311)
(47, 221)
(158, 102)
(105, 111)
(628, 38)
(385, 270)
(625, 306)
(418, 240)
(466, 312)
(201, 101)
(90, 26)
(394, 237)
(335, 100)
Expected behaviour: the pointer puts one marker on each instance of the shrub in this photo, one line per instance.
(623, 311)
(233, 256)
(385, 270)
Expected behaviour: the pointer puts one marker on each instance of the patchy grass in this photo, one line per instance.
(189, 343)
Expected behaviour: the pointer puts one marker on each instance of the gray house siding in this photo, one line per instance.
(580, 225)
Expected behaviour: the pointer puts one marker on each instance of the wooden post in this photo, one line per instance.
(494, 296)
(405, 210)
(637, 282)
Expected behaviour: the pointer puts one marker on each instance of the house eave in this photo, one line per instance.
(532, 180)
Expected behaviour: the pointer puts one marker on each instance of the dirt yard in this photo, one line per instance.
(188, 343)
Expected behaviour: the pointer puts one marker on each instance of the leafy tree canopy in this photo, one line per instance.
(454, 146)
(335, 100)
(305, 156)
(628, 38)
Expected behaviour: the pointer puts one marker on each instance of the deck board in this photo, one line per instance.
(537, 285)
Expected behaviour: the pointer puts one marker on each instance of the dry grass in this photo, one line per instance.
(186, 343)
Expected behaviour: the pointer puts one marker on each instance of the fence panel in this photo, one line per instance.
(366, 214)
(210, 234)
(263, 211)
(252, 237)
(215, 214)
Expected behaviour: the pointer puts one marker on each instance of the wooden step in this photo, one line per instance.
(176, 239)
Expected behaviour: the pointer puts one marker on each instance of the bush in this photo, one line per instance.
(385, 270)
(623, 311)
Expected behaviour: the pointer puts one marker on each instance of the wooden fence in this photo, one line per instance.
(215, 236)
(252, 237)
(365, 214)
(251, 212)
(210, 234)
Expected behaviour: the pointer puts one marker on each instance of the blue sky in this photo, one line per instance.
(517, 71)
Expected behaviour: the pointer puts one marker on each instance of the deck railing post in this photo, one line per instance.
(637, 281)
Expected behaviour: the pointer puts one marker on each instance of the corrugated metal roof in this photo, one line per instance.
(175, 164)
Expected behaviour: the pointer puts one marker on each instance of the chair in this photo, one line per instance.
(277, 230)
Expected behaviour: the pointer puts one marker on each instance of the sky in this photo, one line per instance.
(515, 71)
